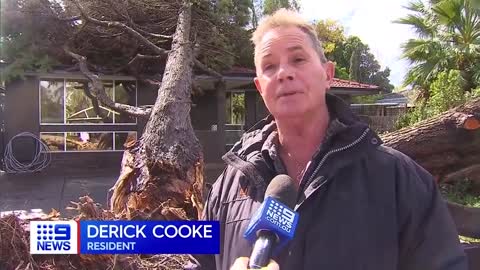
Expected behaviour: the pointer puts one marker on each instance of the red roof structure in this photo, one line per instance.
(337, 83)
(340, 83)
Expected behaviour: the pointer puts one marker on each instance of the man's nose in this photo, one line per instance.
(285, 72)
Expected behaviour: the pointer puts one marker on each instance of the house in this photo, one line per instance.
(54, 107)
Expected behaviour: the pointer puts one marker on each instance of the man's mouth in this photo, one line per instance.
(287, 94)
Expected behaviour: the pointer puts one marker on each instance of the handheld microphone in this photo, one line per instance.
(274, 223)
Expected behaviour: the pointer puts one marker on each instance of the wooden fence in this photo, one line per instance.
(381, 117)
(380, 124)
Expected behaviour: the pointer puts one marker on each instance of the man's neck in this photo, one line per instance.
(301, 137)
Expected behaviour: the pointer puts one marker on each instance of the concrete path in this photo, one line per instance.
(38, 193)
(47, 190)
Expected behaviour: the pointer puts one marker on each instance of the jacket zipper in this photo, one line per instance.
(322, 161)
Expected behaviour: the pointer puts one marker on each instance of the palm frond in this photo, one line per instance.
(423, 28)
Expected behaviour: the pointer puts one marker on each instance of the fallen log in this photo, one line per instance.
(448, 146)
(443, 144)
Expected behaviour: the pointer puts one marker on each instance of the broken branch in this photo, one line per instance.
(139, 57)
(99, 90)
(206, 69)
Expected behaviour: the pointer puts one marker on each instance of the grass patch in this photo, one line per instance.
(461, 192)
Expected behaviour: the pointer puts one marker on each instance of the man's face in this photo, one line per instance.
(290, 76)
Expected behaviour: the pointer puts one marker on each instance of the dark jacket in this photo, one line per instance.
(362, 206)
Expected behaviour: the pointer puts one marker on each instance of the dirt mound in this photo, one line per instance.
(15, 242)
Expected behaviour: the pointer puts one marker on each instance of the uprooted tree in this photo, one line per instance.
(160, 42)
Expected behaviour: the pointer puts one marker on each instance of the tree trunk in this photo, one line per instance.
(162, 173)
(448, 146)
(443, 144)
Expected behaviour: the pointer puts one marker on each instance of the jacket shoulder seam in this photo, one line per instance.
(399, 156)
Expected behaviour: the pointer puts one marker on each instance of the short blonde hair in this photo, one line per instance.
(285, 18)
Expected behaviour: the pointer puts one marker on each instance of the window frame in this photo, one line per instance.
(229, 105)
(67, 79)
(88, 151)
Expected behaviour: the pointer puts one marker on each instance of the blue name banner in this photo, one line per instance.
(149, 237)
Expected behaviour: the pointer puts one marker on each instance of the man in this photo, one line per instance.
(361, 205)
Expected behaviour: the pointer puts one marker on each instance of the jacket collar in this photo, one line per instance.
(245, 154)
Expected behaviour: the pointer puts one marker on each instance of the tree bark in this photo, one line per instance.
(162, 173)
(443, 144)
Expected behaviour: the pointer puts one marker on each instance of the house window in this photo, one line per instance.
(79, 107)
(54, 141)
(121, 139)
(51, 102)
(87, 141)
(126, 93)
(235, 108)
(67, 102)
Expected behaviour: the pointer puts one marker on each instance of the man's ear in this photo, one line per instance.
(258, 86)
(330, 72)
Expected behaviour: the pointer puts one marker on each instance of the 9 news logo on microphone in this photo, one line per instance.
(276, 217)
(280, 215)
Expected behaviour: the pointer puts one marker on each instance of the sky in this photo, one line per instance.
(371, 20)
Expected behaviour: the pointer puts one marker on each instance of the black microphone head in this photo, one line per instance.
(283, 189)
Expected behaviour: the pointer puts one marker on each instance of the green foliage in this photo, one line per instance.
(238, 108)
(341, 72)
(448, 38)
(355, 66)
(270, 6)
(353, 58)
(332, 35)
(24, 40)
(232, 36)
(411, 117)
(33, 35)
(235, 108)
(344, 51)
(445, 93)
(27, 61)
(473, 94)
(235, 11)
(461, 192)
(227, 42)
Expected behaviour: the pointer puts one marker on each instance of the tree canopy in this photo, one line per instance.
(36, 32)
(353, 58)
(445, 56)
(270, 6)
(448, 38)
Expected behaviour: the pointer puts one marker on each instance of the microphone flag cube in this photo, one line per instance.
(276, 217)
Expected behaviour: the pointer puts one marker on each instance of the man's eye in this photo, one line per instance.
(299, 60)
(268, 67)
